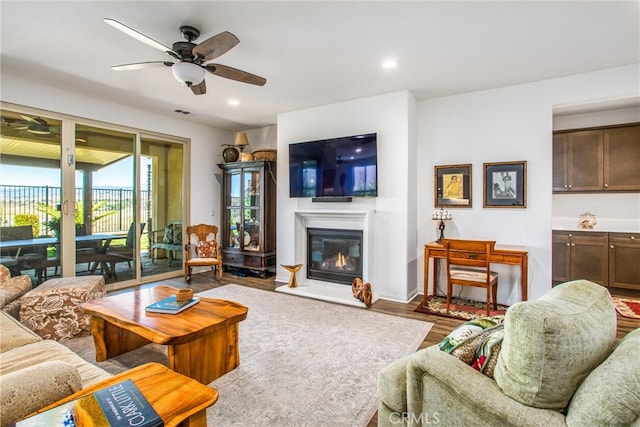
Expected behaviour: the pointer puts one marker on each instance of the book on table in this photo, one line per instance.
(119, 405)
(171, 305)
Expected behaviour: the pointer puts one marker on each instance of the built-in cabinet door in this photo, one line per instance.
(624, 260)
(561, 259)
(622, 158)
(590, 257)
(585, 160)
(560, 162)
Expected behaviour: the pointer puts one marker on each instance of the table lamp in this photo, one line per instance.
(241, 141)
(441, 215)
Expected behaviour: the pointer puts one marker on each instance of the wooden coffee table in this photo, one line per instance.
(202, 341)
(180, 401)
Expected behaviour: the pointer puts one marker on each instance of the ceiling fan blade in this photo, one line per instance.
(137, 35)
(199, 89)
(141, 65)
(36, 120)
(235, 74)
(215, 46)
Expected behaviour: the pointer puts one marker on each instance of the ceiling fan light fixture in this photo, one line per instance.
(188, 74)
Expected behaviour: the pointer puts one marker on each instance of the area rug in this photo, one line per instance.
(459, 308)
(303, 362)
(627, 307)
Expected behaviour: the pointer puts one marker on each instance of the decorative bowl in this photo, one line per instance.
(184, 295)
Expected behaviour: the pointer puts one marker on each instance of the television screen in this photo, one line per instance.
(337, 167)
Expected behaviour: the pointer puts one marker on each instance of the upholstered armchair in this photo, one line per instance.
(556, 366)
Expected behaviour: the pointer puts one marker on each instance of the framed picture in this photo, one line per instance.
(452, 186)
(505, 185)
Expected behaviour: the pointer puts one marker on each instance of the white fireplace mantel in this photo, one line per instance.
(334, 219)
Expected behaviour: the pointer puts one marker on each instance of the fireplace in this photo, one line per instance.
(334, 255)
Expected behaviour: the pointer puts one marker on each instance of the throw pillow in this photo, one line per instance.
(476, 343)
(207, 249)
(168, 234)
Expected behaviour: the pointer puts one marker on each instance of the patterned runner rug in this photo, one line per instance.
(303, 362)
(459, 309)
(627, 307)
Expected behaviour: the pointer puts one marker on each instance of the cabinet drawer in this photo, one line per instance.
(231, 258)
(628, 238)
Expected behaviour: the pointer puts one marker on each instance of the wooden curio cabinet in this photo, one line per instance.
(248, 231)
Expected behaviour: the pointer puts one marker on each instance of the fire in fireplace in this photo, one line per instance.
(334, 255)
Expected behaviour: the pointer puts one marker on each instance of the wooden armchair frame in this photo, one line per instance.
(203, 233)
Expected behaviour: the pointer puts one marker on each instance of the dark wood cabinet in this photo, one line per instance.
(248, 232)
(580, 255)
(624, 260)
(621, 158)
(603, 159)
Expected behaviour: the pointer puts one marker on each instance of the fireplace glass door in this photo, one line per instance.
(334, 255)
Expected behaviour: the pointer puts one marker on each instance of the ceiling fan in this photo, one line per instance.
(36, 125)
(192, 58)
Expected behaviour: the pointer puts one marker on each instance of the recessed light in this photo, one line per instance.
(390, 63)
(233, 102)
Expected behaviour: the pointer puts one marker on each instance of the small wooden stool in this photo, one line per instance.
(293, 269)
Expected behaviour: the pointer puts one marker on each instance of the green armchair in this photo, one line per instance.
(557, 366)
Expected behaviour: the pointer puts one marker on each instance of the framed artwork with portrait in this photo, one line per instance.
(505, 185)
(452, 186)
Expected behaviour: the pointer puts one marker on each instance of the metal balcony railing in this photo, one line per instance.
(116, 203)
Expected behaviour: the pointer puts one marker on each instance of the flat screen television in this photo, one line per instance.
(336, 167)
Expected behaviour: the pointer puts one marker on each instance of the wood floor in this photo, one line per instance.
(441, 325)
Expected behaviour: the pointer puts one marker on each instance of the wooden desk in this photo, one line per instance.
(179, 400)
(502, 254)
(202, 341)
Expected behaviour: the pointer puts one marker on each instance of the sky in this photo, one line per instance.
(117, 175)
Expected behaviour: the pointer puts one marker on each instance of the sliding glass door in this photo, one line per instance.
(100, 199)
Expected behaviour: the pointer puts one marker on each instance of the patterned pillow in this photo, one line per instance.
(207, 249)
(476, 343)
(173, 234)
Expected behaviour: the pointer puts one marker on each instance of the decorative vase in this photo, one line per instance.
(230, 154)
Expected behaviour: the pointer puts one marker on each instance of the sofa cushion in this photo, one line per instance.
(610, 395)
(551, 344)
(24, 391)
(14, 334)
(47, 350)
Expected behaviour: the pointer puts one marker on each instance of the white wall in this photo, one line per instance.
(205, 141)
(506, 124)
(391, 116)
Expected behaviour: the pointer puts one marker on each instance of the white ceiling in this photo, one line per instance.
(313, 53)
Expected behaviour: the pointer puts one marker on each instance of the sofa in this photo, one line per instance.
(35, 372)
(556, 363)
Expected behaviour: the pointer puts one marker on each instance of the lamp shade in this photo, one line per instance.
(241, 139)
(187, 73)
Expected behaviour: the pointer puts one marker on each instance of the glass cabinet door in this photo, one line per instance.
(233, 196)
(251, 207)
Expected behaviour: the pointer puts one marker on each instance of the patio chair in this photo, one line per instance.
(123, 253)
(24, 258)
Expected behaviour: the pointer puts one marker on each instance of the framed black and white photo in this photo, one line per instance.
(452, 186)
(505, 185)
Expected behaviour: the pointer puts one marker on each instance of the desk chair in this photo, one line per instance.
(202, 250)
(468, 264)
